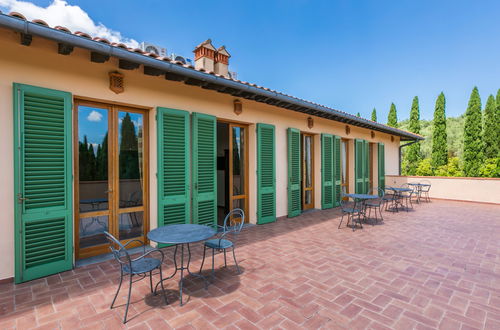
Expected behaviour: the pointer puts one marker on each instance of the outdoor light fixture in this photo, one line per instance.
(310, 122)
(116, 83)
(347, 129)
(372, 133)
(237, 107)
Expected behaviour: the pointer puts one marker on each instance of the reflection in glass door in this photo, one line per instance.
(307, 171)
(238, 167)
(111, 176)
(344, 158)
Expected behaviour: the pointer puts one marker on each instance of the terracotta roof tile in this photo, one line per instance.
(18, 15)
(82, 34)
(40, 21)
(103, 40)
(62, 28)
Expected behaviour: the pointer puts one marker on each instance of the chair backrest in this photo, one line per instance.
(234, 221)
(427, 186)
(119, 251)
(407, 186)
(377, 191)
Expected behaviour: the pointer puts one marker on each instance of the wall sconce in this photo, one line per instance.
(310, 122)
(347, 130)
(237, 107)
(116, 82)
(392, 138)
(372, 133)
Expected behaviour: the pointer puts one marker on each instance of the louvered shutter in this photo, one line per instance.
(327, 173)
(336, 170)
(381, 166)
(266, 174)
(43, 182)
(359, 166)
(204, 169)
(173, 166)
(294, 198)
(366, 166)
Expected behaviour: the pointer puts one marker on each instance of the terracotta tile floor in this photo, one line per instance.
(435, 267)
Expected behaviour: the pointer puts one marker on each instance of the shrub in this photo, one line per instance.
(424, 168)
(491, 168)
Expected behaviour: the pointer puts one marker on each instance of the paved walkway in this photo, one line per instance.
(435, 267)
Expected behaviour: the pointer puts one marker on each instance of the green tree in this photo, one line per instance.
(424, 168)
(490, 135)
(439, 136)
(358, 114)
(413, 155)
(374, 115)
(129, 151)
(392, 118)
(102, 159)
(473, 153)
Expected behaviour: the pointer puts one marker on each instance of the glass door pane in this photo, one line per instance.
(94, 186)
(307, 172)
(130, 173)
(238, 136)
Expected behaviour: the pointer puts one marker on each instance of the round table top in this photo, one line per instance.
(181, 233)
(362, 196)
(399, 189)
(418, 184)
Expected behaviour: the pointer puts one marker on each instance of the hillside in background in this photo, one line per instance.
(454, 129)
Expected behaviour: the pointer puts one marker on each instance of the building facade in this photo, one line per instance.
(99, 137)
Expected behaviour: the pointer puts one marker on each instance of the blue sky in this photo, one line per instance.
(350, 55)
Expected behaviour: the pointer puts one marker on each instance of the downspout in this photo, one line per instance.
(400, 152)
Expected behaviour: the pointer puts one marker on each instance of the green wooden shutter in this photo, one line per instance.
(204, 169)
(359, 166)
(43, 182)
(294, 173)
(327, 174)
(266, 174)
(173, 166)
(366, 166)
(336, 170)
(381, 166)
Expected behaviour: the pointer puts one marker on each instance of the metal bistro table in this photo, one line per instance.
(398, 192)
(418, 187)
(361, 198)
(181, 234)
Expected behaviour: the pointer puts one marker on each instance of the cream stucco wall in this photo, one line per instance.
(485, 190)
(40, 65)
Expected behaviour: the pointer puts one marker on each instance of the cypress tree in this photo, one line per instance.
(490, 136)
(473, 153)
(374, 115)
(129, 156)
(392, 118)
(358, 114)
(439, 136)
(414, 156)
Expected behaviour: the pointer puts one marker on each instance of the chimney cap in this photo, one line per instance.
(206, 44)
(222, 50)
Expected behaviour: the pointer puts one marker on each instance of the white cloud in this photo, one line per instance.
(94, 116)
(59, 12)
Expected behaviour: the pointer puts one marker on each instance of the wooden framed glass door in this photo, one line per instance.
(111, 153)
(238, 167)
(307, 171)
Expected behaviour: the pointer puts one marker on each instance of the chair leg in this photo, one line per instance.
(213, 264)
(225, 260)
(341, 218)
(118, 290)
(235, 262)
(162, 287)
(203, 260)
(151, 280)
(128, 299)
(380, 212)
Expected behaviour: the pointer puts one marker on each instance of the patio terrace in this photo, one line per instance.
(435, 267)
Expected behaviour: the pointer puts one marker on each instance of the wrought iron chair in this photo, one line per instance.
(406, 197)
(233, 223)
(139, 266)
(425, 190)
(389, 197)
(375, 204)
(352, 209)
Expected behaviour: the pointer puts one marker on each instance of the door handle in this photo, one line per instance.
(108, 191)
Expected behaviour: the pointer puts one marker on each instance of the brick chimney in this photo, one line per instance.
(204, 56)
(222, 61)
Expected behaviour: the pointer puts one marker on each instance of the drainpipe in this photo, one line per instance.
(400, 152)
